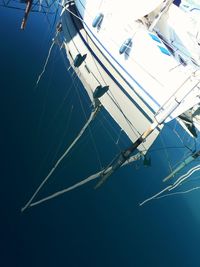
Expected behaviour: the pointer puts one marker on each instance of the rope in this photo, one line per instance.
(90, 131)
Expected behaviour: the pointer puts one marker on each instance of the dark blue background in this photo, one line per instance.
(87, 227)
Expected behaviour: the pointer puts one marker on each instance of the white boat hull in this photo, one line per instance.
(121, 102)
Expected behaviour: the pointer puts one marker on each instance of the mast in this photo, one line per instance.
(27, 11)
(125, 155)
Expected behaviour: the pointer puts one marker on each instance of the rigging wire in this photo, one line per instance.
(65, 132)
(178, 135)
(91, 135)
(166, 153)
(72, 13)
(185, 81)
(75, 86)
(120, 133)
(94, 76)
(65, 8)
(54, 118)
(113, 129)
(45, 98)
(90, 16)
(116, 103)
(90, 131)
(134, 130)
(112, 96)
(91, 177)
